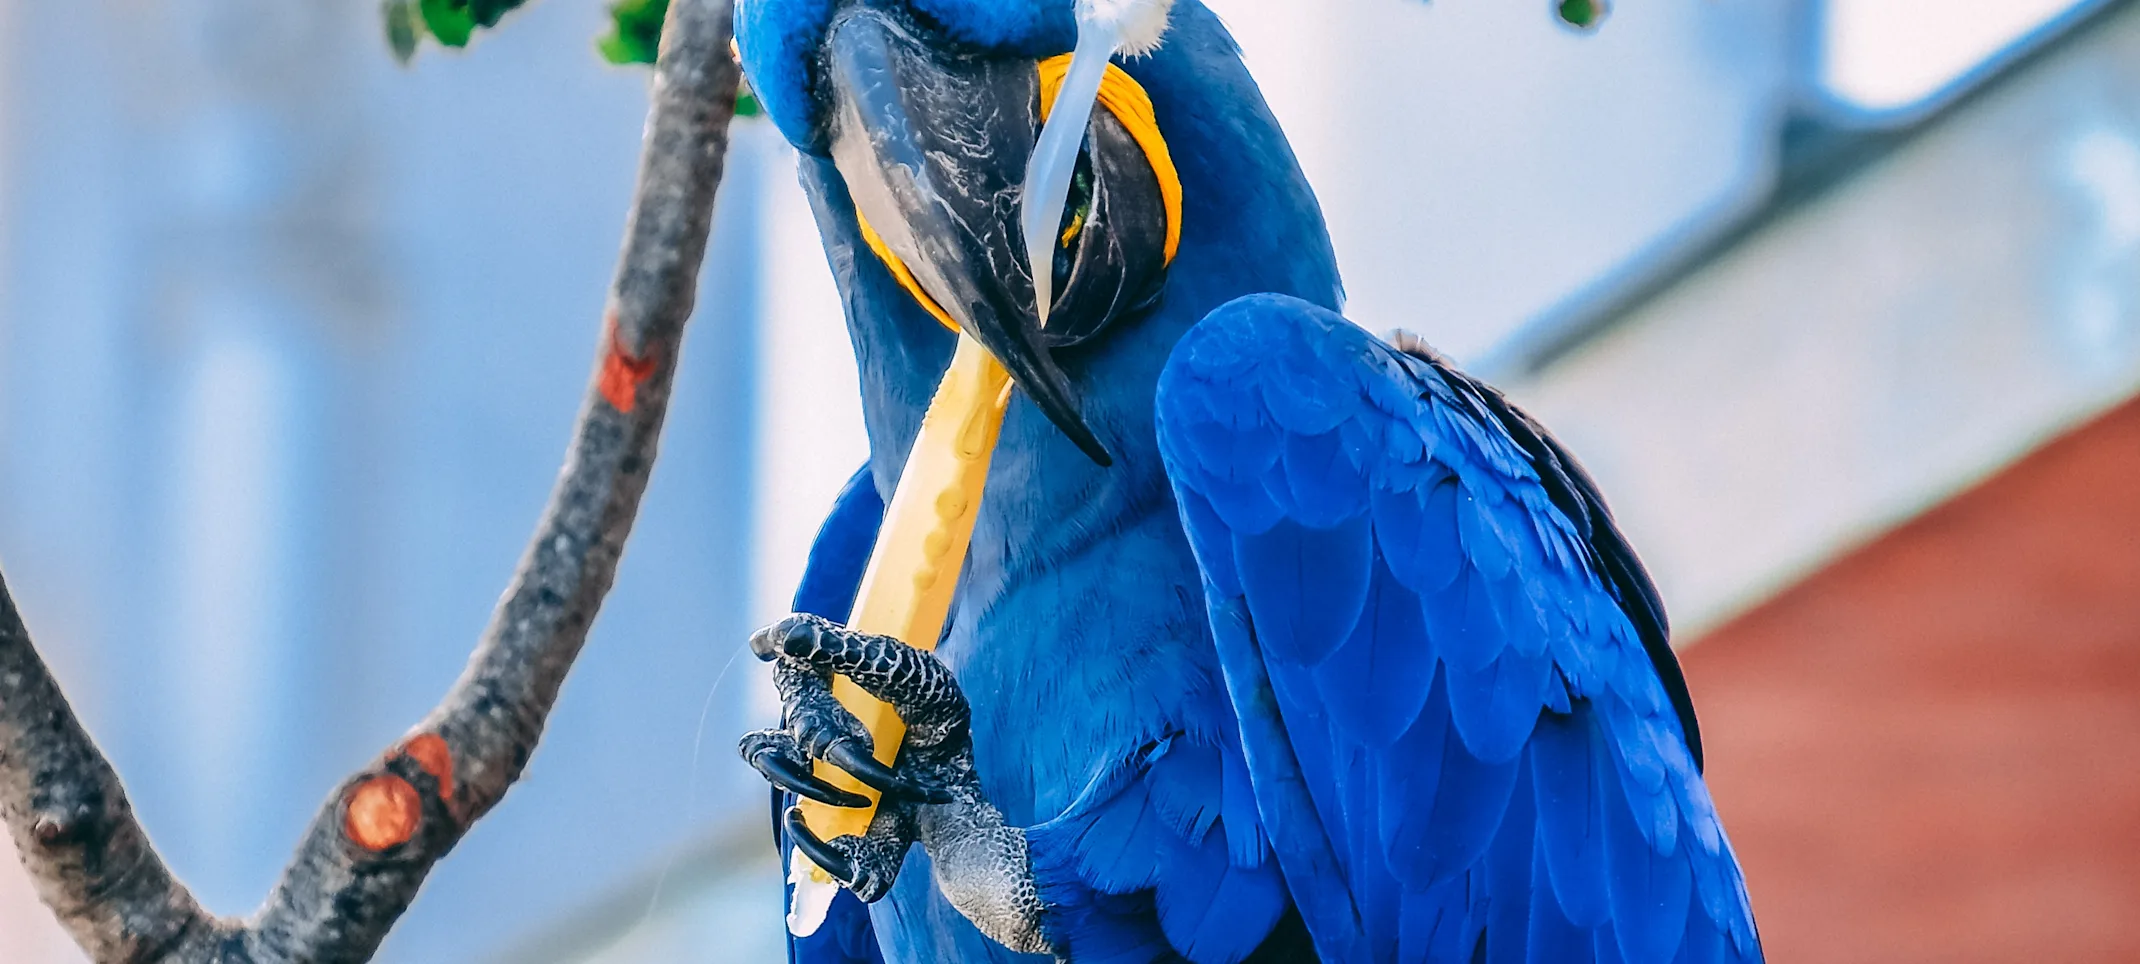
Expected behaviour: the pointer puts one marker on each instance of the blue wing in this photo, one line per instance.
(829, 583)
(1467, 736)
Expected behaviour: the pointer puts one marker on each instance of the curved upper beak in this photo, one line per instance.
(934, 147)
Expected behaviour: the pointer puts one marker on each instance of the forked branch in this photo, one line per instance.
(377, 837)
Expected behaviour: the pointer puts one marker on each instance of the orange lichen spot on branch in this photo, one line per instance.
(622, 371)
(429, 750)
(382, 812)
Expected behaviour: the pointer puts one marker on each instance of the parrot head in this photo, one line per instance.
(963, 179)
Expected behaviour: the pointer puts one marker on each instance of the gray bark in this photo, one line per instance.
(373, 842)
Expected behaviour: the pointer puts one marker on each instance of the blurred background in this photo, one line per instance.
(1840, 299)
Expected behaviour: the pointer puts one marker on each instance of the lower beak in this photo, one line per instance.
(933, 146)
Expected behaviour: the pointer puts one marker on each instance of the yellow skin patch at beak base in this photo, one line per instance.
(901, 273)
(907, 590)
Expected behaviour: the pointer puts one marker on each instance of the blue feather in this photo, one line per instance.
(1109, 928)
(1437, 924)
(1246, 844)
(1380, 898)
(1475, 527)
(1290, 816)
(1034, 28)
(1295, 398)
(1376, 682)
(1496, 706)
(1549, 937)
(1141, 868)
(1213, 545)
(1507, 875)
(1409, 781)
(1605, 947)
(776, 37)
(1180, 780)
(1216, 912)
(1079, 861)
(1462, 621)
(1243, 446)
(1649, 891)
(1321, 480)
(833, 572)
(1241, 502)
(1119, 850)
(1305, 587)
(1415, 529)
(1440, 836)
(1702, 943)
(1566, 756)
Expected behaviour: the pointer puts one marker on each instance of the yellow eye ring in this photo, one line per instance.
(1125, 98)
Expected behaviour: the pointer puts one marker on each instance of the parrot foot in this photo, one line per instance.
(932, 794)
(806, 651)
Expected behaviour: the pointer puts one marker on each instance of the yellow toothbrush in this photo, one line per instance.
(913, 571)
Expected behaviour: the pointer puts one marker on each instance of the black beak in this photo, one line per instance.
(933, 147)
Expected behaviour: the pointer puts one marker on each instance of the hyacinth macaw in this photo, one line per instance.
(1276, 641)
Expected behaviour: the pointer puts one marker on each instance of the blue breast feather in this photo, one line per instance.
(1459, 747)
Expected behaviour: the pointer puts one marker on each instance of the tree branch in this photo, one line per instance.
(377, 837)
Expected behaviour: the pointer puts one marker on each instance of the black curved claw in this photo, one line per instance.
(827, 857)
(794, 775)
(849, 756)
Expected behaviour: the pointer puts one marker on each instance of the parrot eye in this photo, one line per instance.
(1077, 213)
(1080, 206)
(1112, 252)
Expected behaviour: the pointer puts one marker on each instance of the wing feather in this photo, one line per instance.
(1567, 756)
(1465, 734)
(1430, 558)
(1306, 586)
(1384, 647)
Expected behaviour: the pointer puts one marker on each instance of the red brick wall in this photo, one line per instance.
(1930, 750)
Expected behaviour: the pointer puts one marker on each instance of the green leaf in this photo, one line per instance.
(1585, 14)
(448, 21)
(636, 37)
(401, 27)
(487, 13)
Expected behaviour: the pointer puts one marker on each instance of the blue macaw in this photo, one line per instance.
(1277, 641)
